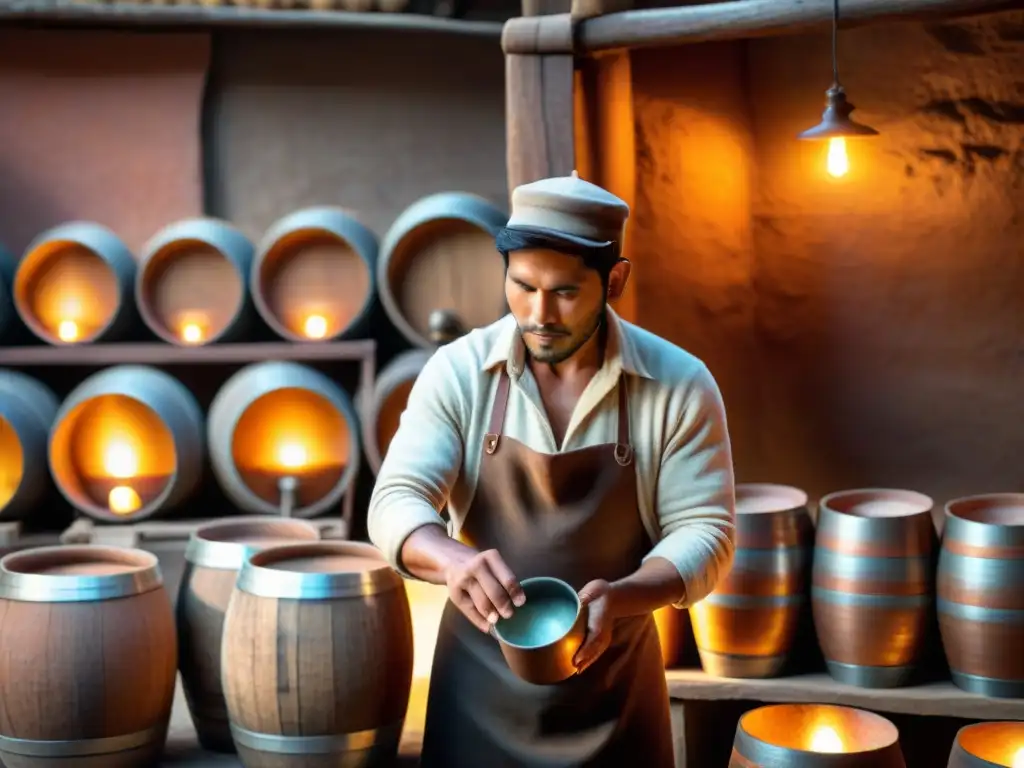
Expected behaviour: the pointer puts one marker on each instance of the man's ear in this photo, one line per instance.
(618, 278)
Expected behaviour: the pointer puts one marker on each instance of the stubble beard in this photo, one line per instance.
(575, 344)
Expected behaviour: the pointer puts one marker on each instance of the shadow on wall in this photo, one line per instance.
(867, 330)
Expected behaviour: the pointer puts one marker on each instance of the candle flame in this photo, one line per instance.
(1018, 759)
(315, 326)
(292, 455)
(123, 500)
(838, 162)
(191, 333)
(825, 739)
(120, 460)
(67, 331)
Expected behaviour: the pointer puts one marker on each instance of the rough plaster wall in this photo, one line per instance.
(886, 342)
(368, 120)
(693, 243)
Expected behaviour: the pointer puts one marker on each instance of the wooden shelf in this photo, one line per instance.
(138, 14)
(941, 699)
(167, 354)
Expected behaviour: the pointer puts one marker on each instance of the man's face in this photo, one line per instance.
(556, 300)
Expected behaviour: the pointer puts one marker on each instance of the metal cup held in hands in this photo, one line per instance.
(542, 636)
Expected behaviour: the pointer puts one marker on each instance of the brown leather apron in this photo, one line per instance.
(573, 516)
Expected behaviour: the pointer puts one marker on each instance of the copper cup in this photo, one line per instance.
(541, 638)
(815, 736)
(988, 745)
(745, 628)
(980, 600)
(872, 592)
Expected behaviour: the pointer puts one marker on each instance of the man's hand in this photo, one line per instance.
(600, 619)
(484, 588)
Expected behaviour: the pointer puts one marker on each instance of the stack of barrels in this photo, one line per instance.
(876, 577)
(316, 275)
(293, 651)
(131, 441)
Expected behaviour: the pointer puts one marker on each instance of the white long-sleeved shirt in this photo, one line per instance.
(678, 430)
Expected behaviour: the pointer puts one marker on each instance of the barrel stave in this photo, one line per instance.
(872, 590)
(980, 603)
(320, 681)
(746, 627)
(80, 671)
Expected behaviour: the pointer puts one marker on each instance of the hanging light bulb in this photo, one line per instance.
(836, 124)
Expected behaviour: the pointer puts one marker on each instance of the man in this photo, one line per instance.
(564, 441)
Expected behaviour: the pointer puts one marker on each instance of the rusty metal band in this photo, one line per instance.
(83, 747)
(334, 743)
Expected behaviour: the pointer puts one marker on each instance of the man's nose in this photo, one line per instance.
(545, 310)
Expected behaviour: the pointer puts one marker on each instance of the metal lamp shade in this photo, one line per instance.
(746, 627)
(988, 745)
(836, 121)
(980, 602)
(815, 736)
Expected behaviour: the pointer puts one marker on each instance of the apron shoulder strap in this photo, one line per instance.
(623, 446)
(497, 412)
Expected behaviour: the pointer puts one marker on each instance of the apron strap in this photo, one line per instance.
(497, 412)
(623, 447)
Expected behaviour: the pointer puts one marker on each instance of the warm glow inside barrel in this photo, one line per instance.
(274, 424)
(314, 275)
(27, 411)
(981, 593)
(127, 443)
(873, 584)
(439, 255)
(989, 745)
(74, 284)
(89, 658)
(191, 287)
(747, 626)
(815, 736)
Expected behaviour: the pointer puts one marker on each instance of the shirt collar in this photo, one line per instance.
(621, 352)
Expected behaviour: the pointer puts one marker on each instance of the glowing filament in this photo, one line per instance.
(292, 455)
(1018, 759)
(825, 739)
(67, 330)
(191, 333)
(315, 326)
(838, 163)
(120, 460)
(123, 500)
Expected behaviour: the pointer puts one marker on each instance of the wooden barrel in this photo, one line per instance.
(873, 582)
(127, 443)
(27, 411)
(980, 595)
(192, 284)
(815, 736)
(321, 655)
(90, 658)
(440, 255)
(388, 399)
(213, 558)
(74, 284)
(314, 275)
(747, 625)
(674, 635)
(988, 745)
(284, 439)
(7, 313)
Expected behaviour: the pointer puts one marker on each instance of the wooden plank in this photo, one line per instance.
(150, 15)
(539, 117)
(939, 699)
(168, 354)
(760, 18)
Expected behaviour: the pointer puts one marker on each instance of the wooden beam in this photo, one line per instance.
(539, 110)
(760, 18)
